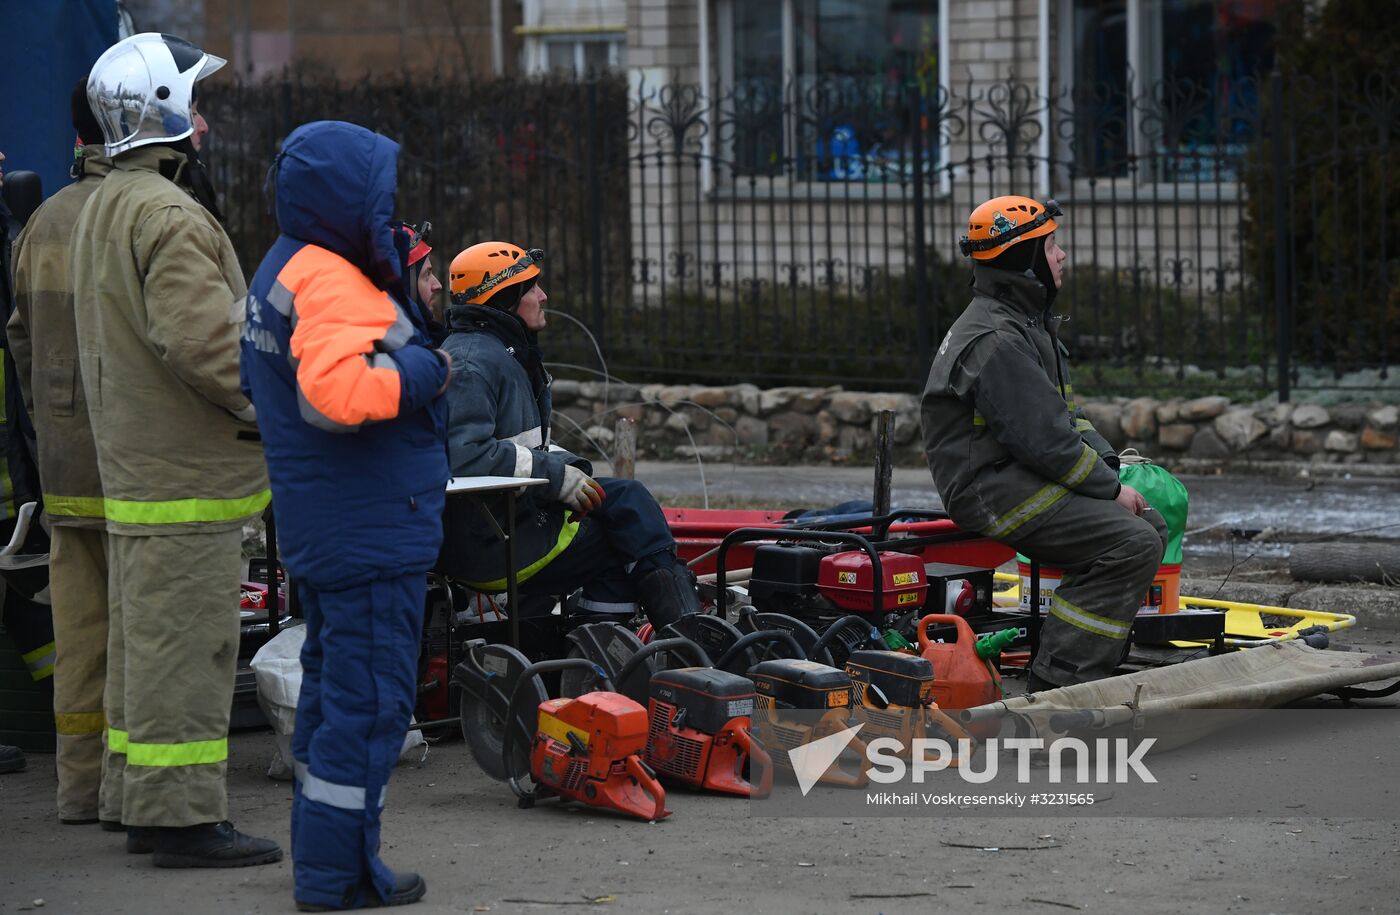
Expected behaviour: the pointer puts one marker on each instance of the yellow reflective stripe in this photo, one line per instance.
(566, 536)
(40, 661)
(1089, 622)
(1083, 425)
(978, 419)
(183, 511)
(31, 656)
(77, 724)
(116, 740)
(194, 753)
(1045, 497)
(1081, 469)
(74, 506)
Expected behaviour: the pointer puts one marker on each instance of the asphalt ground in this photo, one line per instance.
(479, 853)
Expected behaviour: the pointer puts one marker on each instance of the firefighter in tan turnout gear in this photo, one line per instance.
(53, 394)
(159, 302)
(1014, 458)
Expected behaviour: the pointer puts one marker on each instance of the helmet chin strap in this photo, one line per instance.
(196, 178)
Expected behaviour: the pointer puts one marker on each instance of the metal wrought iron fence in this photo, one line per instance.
(1229, 235)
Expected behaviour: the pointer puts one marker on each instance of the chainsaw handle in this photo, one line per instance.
(758, 756)
(674, 643)
(835, 775)
(656, 646)
(762, 636)
(646, 780)
(965, 632)
(850, 621)
(541, 667)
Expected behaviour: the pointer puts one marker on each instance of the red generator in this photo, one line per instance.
(700, 730)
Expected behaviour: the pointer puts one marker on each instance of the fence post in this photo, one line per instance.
(884, 461)
(624, 458)
(595, 206)
(921, 306)
(1283, 312)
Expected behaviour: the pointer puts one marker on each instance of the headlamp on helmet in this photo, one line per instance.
(482, 270)
(1004, 221)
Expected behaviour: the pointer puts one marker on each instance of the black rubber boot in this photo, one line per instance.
(408, 889)
(113, 826)
(211, 845)
(667, 593)
(140, 840)
(12, 759)
(78, 821)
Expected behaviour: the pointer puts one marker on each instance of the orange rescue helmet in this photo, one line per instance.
(1005, 221)
(480, 271)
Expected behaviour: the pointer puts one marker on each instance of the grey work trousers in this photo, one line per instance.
(1109, 558)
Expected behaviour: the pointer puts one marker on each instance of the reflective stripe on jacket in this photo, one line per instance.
(498, 425)
(43, 324)
(1004, 438)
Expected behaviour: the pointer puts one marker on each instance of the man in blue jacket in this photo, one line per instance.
(348, 394)
(607, 537)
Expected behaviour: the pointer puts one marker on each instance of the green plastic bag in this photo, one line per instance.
(1163, 492)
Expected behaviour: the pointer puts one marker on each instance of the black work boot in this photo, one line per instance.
(408, 889)
(12, 759)
(667, 593)
(141, 840)
(211, 845)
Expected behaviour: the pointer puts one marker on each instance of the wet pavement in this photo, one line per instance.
(1234, 517)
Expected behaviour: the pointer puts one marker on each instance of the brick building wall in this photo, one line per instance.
(349, 39)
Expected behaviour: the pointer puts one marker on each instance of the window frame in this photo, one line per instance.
(787, 182)
(616, 41)
(1142, 188)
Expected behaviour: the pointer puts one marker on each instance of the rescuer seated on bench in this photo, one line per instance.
(1014, 457)
(607, 537)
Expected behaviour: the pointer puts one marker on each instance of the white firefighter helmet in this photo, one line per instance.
(142, 88)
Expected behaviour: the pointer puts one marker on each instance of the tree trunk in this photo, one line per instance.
(1345, 562)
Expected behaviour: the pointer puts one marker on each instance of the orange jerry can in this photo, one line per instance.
(961, 677)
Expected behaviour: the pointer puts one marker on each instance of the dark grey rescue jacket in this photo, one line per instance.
(1005, 440)
(499, 409)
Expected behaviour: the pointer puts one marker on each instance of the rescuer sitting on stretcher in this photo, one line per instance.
(1014, 457)
(606, 536)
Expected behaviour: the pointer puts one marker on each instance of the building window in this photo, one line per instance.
(822, 89)
(577, 55)
(1165, 89)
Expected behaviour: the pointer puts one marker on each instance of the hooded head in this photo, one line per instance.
(335, 186)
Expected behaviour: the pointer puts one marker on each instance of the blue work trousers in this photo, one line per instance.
(357, 695)
(611, 539)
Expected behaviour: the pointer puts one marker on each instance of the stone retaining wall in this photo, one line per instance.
(830, 424)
